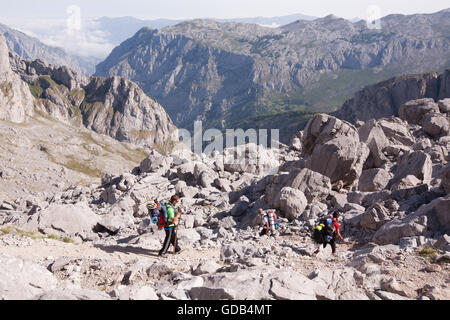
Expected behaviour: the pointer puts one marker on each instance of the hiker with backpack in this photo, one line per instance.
(269, 222)
(326, 233)
(163, 214)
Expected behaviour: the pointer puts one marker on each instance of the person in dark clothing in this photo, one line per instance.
(170, 230)
(331, 239)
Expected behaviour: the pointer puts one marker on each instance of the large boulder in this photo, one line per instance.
(290, 285)
(155, 162)
(23, 280)
(415, 111)
(341, 160)
(334, 149)
(444, 106)
(292, 203)
(204, 175)
(114, 223)
(430, 218)
(373, 135)
(240, 207)
(436, 125)
(259, 283)
(69, 219)
(396, 130)
(323, 128)
(375, 217)
(185, 172)
(417, 164)
(374, 180)
(315, 186)
(445, 176)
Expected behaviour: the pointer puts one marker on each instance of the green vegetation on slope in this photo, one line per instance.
(35, 90)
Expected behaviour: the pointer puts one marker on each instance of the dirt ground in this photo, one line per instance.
(411, 271)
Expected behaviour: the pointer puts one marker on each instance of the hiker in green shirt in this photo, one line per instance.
(170, 226)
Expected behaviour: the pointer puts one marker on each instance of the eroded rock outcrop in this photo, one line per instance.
(16, 101)
(335, 149)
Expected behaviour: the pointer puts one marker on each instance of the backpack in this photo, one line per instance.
(158, 213)
(324, 230)
(275, 218)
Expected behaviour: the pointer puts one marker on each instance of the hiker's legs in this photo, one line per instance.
(174, 241)
(318, 249)
(333, 246)
(167, 242)
(263, 232)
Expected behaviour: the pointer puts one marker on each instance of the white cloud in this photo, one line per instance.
(85, 40)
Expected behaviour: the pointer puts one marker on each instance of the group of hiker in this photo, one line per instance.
(326, 231)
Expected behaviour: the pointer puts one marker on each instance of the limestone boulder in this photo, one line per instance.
(416, 163)
(436, 125)
(315, 186)
(415, 111)
(432, 217)
(397, 131)
(155, 162)
(22, 279)
(373, 136)
(292, 203)
(445, 176)
(340, 159)
(334, 149)
(444, 105)
(375, 217)
(69, 219)
(374, 180)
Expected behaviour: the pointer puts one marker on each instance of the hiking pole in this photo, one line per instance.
(176, 234)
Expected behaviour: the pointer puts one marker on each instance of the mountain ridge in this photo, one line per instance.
(213, 71)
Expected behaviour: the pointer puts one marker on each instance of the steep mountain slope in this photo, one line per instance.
(16, 101)
(31, 48)
(43, 156)
(111, 106)
(385, 98)
(58, 127)
(226, 72)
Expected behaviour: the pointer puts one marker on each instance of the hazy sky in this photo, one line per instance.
(68, 23)
(151, 9)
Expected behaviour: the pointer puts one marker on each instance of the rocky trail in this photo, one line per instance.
(97, 267)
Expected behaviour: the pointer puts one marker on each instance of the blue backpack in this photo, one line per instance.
(329, 229)
(158, 213)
